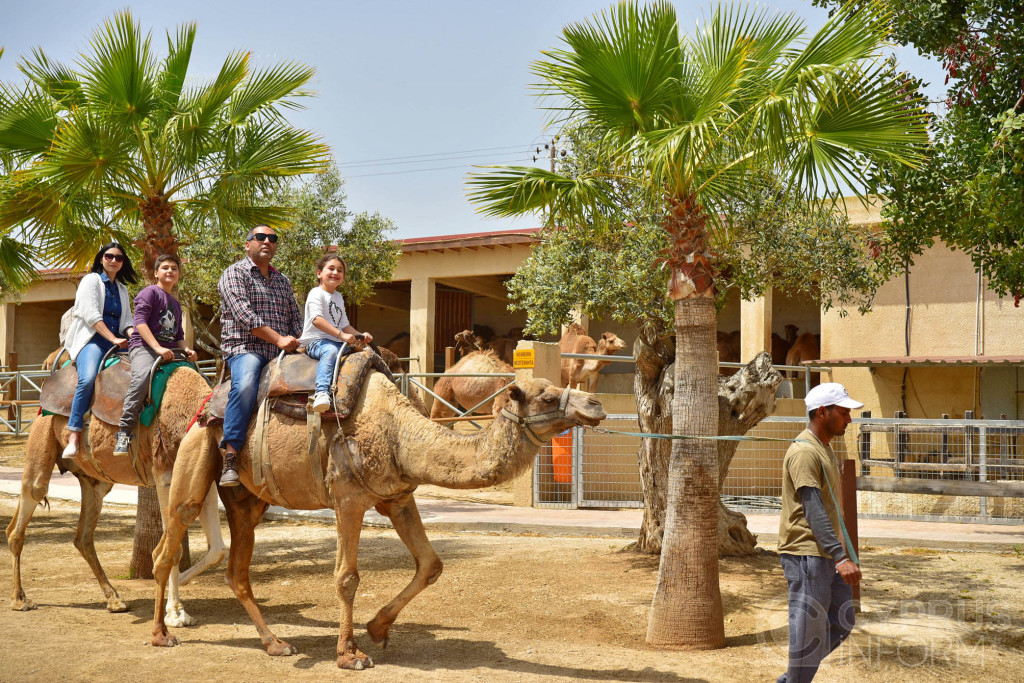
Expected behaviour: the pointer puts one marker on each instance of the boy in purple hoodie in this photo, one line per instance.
(157, 329)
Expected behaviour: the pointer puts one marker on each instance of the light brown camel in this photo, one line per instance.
(97, 470)
(397, 450)
(55, 359)
(469, 392)
(580, 371)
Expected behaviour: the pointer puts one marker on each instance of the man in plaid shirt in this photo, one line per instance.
(259, 319)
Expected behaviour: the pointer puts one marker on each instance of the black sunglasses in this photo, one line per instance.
(116, 258)
(261, 236)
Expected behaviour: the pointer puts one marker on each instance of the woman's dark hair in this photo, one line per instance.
(127, 273)
(166, 257)
(327, 258)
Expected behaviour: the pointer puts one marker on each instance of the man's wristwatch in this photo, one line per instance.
(845, 559)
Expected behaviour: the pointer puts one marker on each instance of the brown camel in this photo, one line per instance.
(97, 470)
(470, 392)
(55, 359)
(806, 347)
(780, 346)
(577, 371)
(397, 450)
(466, 343)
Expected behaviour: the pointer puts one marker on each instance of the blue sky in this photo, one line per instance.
(410, 94)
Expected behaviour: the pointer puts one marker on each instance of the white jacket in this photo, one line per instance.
(89, 310)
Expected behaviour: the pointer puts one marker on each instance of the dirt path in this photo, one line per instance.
(507, 608)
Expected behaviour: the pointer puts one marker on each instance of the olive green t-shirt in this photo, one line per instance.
(803, 466)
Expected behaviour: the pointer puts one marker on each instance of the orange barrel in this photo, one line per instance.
(561, 457)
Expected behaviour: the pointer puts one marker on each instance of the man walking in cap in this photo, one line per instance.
(259, 319)
(818, 569)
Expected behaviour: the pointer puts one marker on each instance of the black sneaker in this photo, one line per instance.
(124, 442)
(229, 475)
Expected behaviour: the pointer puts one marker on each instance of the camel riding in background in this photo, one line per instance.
(97, 469)
(371, 452)
(579, 372)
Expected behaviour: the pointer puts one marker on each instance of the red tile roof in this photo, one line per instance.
(921, 361)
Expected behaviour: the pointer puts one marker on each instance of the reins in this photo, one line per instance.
(526, 421)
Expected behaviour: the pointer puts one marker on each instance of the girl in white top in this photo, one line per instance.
(326, 326)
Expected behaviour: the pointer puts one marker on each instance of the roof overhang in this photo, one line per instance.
(919, 361)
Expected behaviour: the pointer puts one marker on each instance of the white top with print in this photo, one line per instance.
(330, 307)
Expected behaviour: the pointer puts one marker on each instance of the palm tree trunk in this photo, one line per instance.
(148, 528)
(686, 612)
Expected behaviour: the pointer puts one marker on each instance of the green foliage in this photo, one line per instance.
(318, 221)
(91, 151)
(971, 195)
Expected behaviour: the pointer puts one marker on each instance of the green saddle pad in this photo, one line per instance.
(157, 387)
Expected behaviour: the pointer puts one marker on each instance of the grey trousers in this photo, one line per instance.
(142, 358)
(820, 613)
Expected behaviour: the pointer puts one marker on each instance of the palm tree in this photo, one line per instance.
(124, 142)
(699, 114)
(125, 146)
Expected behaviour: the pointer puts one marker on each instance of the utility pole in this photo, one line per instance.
(552, 147)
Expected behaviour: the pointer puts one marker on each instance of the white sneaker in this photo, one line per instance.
(69, 451)
(321, 401)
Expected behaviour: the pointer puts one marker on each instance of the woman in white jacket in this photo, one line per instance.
(102, 319)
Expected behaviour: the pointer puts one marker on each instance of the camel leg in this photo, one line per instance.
(93, 491)
(197, 465)
(209, 518)
(405, 517)
(42, 449)
(244, 512)
(346, 573)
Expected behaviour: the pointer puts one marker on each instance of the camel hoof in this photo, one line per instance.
(279, 648)
(164, 640)
(179, 618)
(354, 661)
(23, 605)
(116, 604)
(378, 634)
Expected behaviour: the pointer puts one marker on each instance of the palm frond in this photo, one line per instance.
(17, 270)
(515, 190)
(267, 88)
(27, 123)
(619, 69)
(53, 78)
(119, 74)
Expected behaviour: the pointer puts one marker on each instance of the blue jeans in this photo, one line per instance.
(326, 351)
(88, 363)
(245, 369)
(820, 613)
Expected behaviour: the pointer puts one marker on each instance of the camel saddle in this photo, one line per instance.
(112, 384)
(293, 379)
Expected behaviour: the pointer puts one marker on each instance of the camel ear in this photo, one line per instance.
(516, 394)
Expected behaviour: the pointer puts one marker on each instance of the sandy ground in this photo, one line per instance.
(507, 608)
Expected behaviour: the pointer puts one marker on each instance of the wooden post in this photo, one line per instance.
(848, 503)
(449, 357)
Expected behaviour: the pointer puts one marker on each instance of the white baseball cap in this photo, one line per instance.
(830, 394)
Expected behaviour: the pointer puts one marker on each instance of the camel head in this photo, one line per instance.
(612, 343)
(546, 410)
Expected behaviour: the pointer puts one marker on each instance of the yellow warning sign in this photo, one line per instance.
(523, 359)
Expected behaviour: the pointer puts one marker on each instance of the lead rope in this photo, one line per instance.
(842, 524)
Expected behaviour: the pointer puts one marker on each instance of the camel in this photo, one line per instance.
(47, 438)
(576, 371)
(780, 346)
(466, 343)
(806, 347)
(55, 359)
(398, 450)
(470, 392)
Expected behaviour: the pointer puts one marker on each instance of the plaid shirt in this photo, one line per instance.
(248, 301)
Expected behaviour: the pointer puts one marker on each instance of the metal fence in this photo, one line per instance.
(587, 469)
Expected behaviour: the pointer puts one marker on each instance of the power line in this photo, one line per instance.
(414, 170)
(516, 153)
(435, 154)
